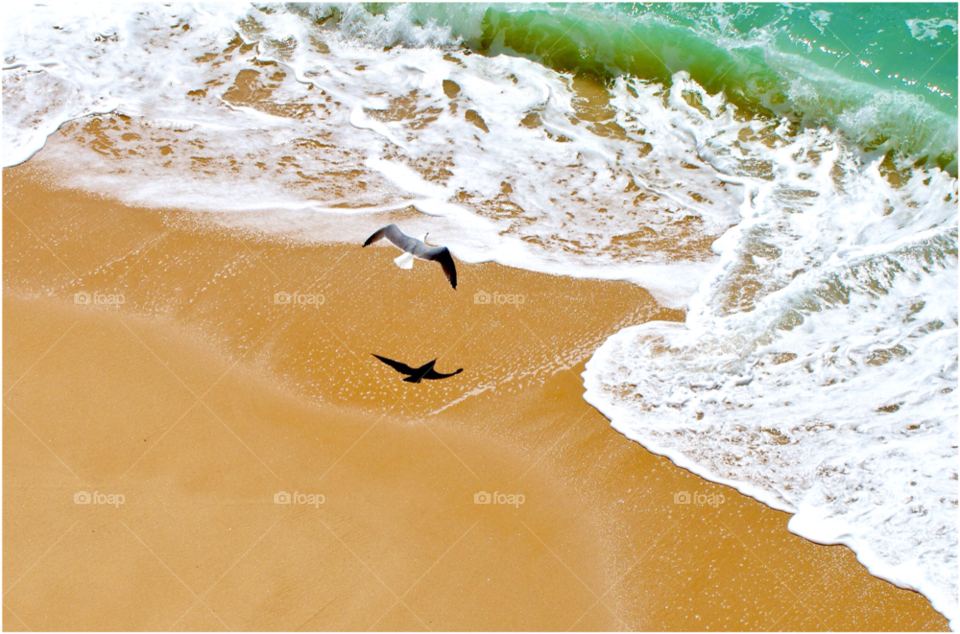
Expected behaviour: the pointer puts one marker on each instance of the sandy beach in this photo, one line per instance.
(150, 364)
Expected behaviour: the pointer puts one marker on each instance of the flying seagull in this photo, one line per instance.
(425, 371)
(416, 249)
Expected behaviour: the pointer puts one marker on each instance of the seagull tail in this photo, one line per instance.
(405, 261)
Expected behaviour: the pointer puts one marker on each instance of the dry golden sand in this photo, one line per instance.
(199, 398)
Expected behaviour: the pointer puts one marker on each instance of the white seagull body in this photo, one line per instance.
(405, 261)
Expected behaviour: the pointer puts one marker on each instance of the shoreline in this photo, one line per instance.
(597, 544)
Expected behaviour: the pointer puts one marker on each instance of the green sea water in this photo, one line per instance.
(883, 74)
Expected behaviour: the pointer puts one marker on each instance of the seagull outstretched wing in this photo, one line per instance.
(442, 255)
(399, 239)
(417, 248)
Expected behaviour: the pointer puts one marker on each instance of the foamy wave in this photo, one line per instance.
(275, 114)
(817, 369)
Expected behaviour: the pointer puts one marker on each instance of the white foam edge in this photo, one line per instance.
(807, 521)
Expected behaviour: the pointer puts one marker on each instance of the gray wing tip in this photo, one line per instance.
(381, 232)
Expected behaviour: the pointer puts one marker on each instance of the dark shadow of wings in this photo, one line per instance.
(433, 374)
(396, 365)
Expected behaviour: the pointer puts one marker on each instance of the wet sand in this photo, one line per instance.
(200, 398)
